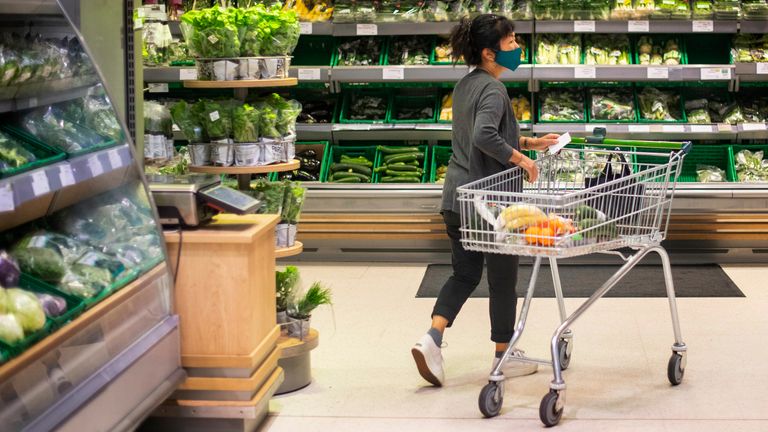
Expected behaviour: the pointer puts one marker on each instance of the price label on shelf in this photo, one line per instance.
(393, 73)
(701, 128)
(6, 197)
(66, 176)
(158, 87)
(761, 68)
(638, 26)
(673, 128)
(639, 128)
(703, 26)
(94, 164)
(309, 74)
(584, 26)
(367, 29)
(724, 127)
(40, 185)
(114, 158)
(754, 126)
(305, 28)
(710, 74)
(658, 73)
(585, 72)
(188, 74)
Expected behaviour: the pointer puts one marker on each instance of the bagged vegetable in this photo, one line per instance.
(751, 167)
(613, 104)
(11, 331)
(293, 202)
(217, 117)
(189, 122)
(659, 105)
(211, 33)
(268, 115)
(558, 49)
(245, 123)
(364, 107)
(562, 105)
(27, 309)
(407, 50)
(364, 51)
(13, 154)
(709, 174)
(606, 50)
(50, 126)
(657, 51)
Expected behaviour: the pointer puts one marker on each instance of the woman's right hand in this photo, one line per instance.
(530, 168)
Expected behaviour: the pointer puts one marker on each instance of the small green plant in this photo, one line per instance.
(315, 296)
(285, 284)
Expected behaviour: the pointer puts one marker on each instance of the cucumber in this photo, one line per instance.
(405, 168)
(586, 212)
(397, 150)
(357, 161)
(344, 174)
(348, 180)
(348, 166)
(390, 173)
(594, 228)
(404, 157)
(400, 179)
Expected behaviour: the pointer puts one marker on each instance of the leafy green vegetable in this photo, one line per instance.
(751, 167)
(211, 33)
(27, 309)
(558, 49)
(188, 122)
(708, 174)
(364, 51)
(217, 117)
(408, 50)
(42, 263)
(562, 105)
(294, 201)
(285, 284)
(50, 126)
(245, 122)
(615, 104)
(606, 49)
(13, 154)
(656, 104)
(316, 295)
(272, 194)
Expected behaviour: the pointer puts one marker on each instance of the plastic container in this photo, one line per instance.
(578, 91)
(334, 156)
(441, 155)
(415, 102)
(424, 163)
(641, 119)
(351, 96)
(382, 44)
(45, 154)
(27, 136)
(314, 51)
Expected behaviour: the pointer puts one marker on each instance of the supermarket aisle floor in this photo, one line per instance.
(365, 380)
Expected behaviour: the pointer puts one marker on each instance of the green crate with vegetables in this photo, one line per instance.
(748, 163)
(365, 106)
(314, 51)
(60, 307)
(611, 105)
(562, 105)
(413, 109)
(312, 162)
(704, 163)
(401, 164)
(360, 51)
(350, 164)
(656, 104)
(20, 153)
(50, 126)
(409, 50)
(659, 50)
(441, 156)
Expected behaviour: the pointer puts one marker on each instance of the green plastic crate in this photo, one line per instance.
(583, 108)
(382, 52)
(75, 305)
(412, 102)
(350, 95)
(335, 153)
(733, 150)
(700, 154)
(424, 163)
(441, 155)
(27, 136)
(432, 56)
(641, 119)
(430, 50)
(314, 51)
(45, 154)
(321, 148)
(584, 50)
(634, 119)
(660, 39)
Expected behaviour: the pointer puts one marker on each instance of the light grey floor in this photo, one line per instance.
(365, 379)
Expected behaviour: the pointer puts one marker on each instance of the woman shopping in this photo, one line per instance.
(486, 141)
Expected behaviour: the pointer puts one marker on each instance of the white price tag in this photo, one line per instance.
(114, 159)
(66, 177)
(761, 68)
(94, 164)
(40, 185)
(187, 74)
(673, 128)
(158, 87)
(305, 28)
(586, 72)
(393, 73)
(367, 30)
(353, 127)
(584, 26)
(724, 127)
(639, 128)
(658, 73)
(563, 141)
(309, 74)
(703, 26)
(754, 126)
(638, 26)
(138, 23)
(721, 73)
(213, 39)
(214, 116)
(701, 128)
(175, 128)
(6, 198)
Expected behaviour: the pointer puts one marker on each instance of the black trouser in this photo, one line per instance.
(467, 271)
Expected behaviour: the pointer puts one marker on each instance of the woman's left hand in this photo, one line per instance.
(543, 143)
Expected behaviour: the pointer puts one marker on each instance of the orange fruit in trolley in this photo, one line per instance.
(541, 235)
(532, 235)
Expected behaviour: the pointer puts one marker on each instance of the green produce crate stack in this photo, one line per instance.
(701, 154)
(441, 155)
(666, 87)
(80, 130)
(334, 156)
(352, 95)
(44, 154)
(398, 152)
(401, 103)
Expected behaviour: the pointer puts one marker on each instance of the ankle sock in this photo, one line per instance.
(436, 336)
(499, 354)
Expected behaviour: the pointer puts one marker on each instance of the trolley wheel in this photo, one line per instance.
(565, 357)
(548, 412)
(675, 370)
(491, 399)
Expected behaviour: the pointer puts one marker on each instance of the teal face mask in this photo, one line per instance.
(509, 59)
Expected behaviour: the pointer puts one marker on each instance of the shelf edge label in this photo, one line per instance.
(584, 26)
(367, 29)
(309, 74)
(673, 128)
(638, 26)
(710, 73)
(305, 28)
(40, 184)
(94, 164)
(586, 72)
(754, 126)
(393, 73)
(658, 73)
(761, 68)
(703, 26)
(114, 158)
(158, 87)
(66, 176)
(701, 128)
(638, 128)
(187, 74)
(6, 198)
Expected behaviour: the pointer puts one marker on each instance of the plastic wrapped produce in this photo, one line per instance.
(365, 107)
(436, 10)
(558, 49)
(697, 111)
(622, 10)
(659, 105)
(750, 166)
(317, 110)
(190, 124)
(211, 33)
(11, 331)
(672, 9)
(560, 104)
(26, 307)
(612, 104)
(702, 9)
(365, 51)
(521, 105)
(408, 50)
(50, 126)
(344, 11)
(658, 51)
(13, 154)
(245, 124)
(606, 50)
(750, 48)
(709, 174)
(312, 10)
(53, 305)
(754, 9)
(726, 9)
(365, 11)
(443, 51)
(644, 8)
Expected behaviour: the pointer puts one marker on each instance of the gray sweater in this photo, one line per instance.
(485, 131)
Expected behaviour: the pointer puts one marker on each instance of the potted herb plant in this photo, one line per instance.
(285, 285)
(301, 311)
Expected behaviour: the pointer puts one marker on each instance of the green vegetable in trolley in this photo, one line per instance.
(13, 154)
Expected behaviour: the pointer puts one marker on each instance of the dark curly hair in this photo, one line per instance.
(470, 37)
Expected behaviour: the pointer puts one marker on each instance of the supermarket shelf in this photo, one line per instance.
(425, 73)
(28, 196)
(310, 73)
(46, 93)
(646, 131)
(169, 74)
(282, 82)
(582, 73)
(750, 26)
(296, 249)
(643, 26)
(410, 28)
(289, 166)
(753, 131)
(313, 131)
(323, 28)
(30, 7)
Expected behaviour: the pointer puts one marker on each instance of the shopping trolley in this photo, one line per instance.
(597, 198)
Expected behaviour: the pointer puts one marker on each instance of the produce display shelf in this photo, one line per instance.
(421, 73)
(677, 131)
(320, 28)
(583, 73)
(264, 169)
(168, 74)
(310, 73)
(296, 249)
(43, 94)
(314, 131)
(409, 28)
(639, 26)
(292, 346)
(282, 82)
(28, 196)
(753, 26)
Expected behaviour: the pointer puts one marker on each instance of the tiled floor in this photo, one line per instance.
(365, 379)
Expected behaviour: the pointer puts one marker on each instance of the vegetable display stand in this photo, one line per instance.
(233, 84)
(296, 360)
(244, 173)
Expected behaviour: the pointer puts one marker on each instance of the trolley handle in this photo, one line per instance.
(600, 140)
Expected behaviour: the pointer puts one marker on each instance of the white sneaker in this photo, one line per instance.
(514, 368)
(429, 360)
